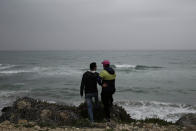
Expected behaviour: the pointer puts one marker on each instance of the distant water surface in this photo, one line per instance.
(149, 83)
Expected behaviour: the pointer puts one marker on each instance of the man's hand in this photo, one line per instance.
(104, 85)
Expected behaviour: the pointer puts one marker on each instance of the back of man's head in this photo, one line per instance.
(93, 66)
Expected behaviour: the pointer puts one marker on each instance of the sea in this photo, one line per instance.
(149, 83)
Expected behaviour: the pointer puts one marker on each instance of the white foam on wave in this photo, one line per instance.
(13, 71)
(124, 66)
(7, 66)
(48, 71)
(7, 69)
(166, 111)
(19, 84)
(51, 102)
(11, 93)
(128, 67)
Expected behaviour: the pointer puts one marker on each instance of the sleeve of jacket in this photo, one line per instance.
(99, 79)
(82, 85)
(102, 74)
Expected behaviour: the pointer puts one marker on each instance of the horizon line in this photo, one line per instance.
(101, 50)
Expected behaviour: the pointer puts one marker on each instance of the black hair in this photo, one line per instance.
(93, 65)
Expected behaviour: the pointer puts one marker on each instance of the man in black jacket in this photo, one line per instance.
(89, 86)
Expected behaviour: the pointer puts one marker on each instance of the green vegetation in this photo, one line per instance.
(156, 121)
(82, 123)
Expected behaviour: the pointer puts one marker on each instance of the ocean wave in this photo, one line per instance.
(58, 71)
(135, 90)
(136, 67)
(48, 71)
(6, 66)
(64, 70)
(153, 109)
(14, 71)
(124, 66)
(19, 84)
(23, 70)
(4, 94)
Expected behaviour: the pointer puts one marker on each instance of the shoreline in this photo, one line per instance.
(186, 108)
(31, 114)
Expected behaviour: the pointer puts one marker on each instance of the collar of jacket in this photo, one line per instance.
(91, 71)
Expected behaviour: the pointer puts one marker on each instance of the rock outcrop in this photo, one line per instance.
(30, 114)
(57, 115)
(188, 120)
(41, 112)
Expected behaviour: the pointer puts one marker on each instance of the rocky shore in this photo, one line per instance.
(27, 114)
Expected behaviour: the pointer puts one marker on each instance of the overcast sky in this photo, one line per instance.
(97, 24)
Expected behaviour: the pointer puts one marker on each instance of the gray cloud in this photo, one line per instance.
(97, 24)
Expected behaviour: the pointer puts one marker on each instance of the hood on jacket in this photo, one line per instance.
(109, 70)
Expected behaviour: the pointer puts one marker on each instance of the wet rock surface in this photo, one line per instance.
(188, 120)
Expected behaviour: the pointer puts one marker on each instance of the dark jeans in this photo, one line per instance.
(89, 99)
(107, 101)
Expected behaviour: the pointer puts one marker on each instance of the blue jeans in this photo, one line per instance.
(89, 99)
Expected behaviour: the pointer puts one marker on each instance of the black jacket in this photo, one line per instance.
(89, 82)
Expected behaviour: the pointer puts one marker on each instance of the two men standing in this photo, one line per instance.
(106, 79)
